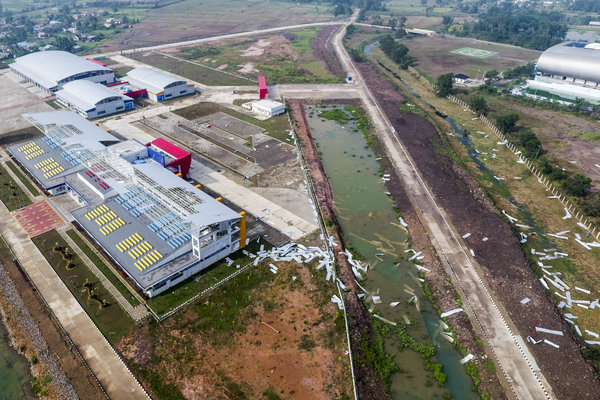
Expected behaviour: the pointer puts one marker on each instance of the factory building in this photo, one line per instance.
(170, 156)
(159, 85)
(50, 70)
(269, 108)
(158, 228)
(570, 70)
(92, 100)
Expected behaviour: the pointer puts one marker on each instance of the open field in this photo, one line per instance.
(525, 199)
(565, 137)
(282, 58)
(192, 19)
(112, 320)
(260, 336)
(11, 194)
(435, 57)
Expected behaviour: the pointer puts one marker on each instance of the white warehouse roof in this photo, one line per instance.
(87, 94)
(571, 59)
(49, 68)
(153, 80)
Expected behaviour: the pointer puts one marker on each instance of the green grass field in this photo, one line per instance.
(113, 321)
(32, 188)
(11, 194)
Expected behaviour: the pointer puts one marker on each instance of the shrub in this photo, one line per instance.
(577, 185)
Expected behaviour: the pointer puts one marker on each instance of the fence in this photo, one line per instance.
(541, 178)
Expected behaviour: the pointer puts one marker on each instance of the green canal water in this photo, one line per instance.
(14, 373)
(371, 227)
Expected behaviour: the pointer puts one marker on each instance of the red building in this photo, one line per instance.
(170, 156)
(262, 87)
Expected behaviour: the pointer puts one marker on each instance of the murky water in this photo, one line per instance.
(14, 374)
(371, 227)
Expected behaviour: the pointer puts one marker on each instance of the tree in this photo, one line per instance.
(491, 76)
(444, 84)
(63, 43)
(447, 20)
(530, 143)
(478, 104)
(507, 122)
(592, 205)
(577, 184)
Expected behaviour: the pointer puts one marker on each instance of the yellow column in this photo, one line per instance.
(199, 186)
(243, 230)
(219, 199)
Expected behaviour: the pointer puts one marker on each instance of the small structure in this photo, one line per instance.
(170, 156)
(92, 100)
(160, 85)
(262, 87)
(269, 108)
(461, 78)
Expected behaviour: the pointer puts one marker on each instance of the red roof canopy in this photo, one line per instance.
(170, 148)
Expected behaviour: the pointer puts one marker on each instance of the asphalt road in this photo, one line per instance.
(521, 375)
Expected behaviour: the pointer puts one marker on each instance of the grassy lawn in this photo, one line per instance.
(11, 194)
(184, 291)
(112, 320)
(32, 188)
(276, 126)
(105, 269)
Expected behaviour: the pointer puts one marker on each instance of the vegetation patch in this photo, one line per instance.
(11, 194)
(17, 171)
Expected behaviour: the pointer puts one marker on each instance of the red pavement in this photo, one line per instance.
(38, 218)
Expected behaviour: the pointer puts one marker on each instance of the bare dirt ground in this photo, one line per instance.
(558, 133)
(292, 344)
(323, 50)
(503, 262)
(368, 382)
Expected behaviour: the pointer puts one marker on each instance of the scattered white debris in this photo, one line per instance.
(553, 197)
(421, 268)
(472, 252)
(550, 331)
(551, 344)
(532, 340)
(466, 235)
(572, 162)
(517, 178)
(523, 226)
(582, 226)
(387, 321)
(511, 219)
(448, 313)
(577, 329)
(338, 301)
(469, 357)
(229, 261)
(594, 334)
(582, 290)
(376, 299)
(544, 283)
(567, 214)
(485, 239)
(562, 304)
(394, 303)
(525, 300)
(448, 336)
(415, 256)
(404, 224)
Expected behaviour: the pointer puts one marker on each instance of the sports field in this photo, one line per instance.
(471, 52)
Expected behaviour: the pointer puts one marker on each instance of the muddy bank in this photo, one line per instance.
(368, 382)
(323, 50)
(503, 263)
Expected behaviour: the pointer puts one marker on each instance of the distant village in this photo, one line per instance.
(65, 28)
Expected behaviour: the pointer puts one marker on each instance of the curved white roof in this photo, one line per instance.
(152, 79)
(86, 94)
(571, 60)
(55, 65)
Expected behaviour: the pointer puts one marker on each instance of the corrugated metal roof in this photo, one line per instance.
(87, 94)
(571, 61)
(170, 148)
(151, 79)
(54, 66)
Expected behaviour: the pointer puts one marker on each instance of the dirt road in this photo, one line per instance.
(521, 374)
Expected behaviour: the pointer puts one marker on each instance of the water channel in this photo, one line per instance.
(14, 374)
(371, 227)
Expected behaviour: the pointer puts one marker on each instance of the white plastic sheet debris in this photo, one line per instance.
(387, 321)
(523, 237)
(472, 252)
(376, 299)
(394, 303)
(402, 222)
(469, 357)
(466, 235)
(523, 226)
(577, 329)
(229, 261)
(338, 301)
(594, 334)
(582, 290)
(421, 268)
(415, 255)
(448, 313)
(567, 214)
(592, 342)
(560, 235)
(551, 344)
(553, 197)
(544, 283)
(525, 300)
(485, 239)
(582, 226)
(550, 331)
(511, 219)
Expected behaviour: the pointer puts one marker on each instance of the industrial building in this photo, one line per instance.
(159, 85)
(158, 228)
(50, 70)
(570, 70)
(170, 156)
(92, 100)
(269, 108)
